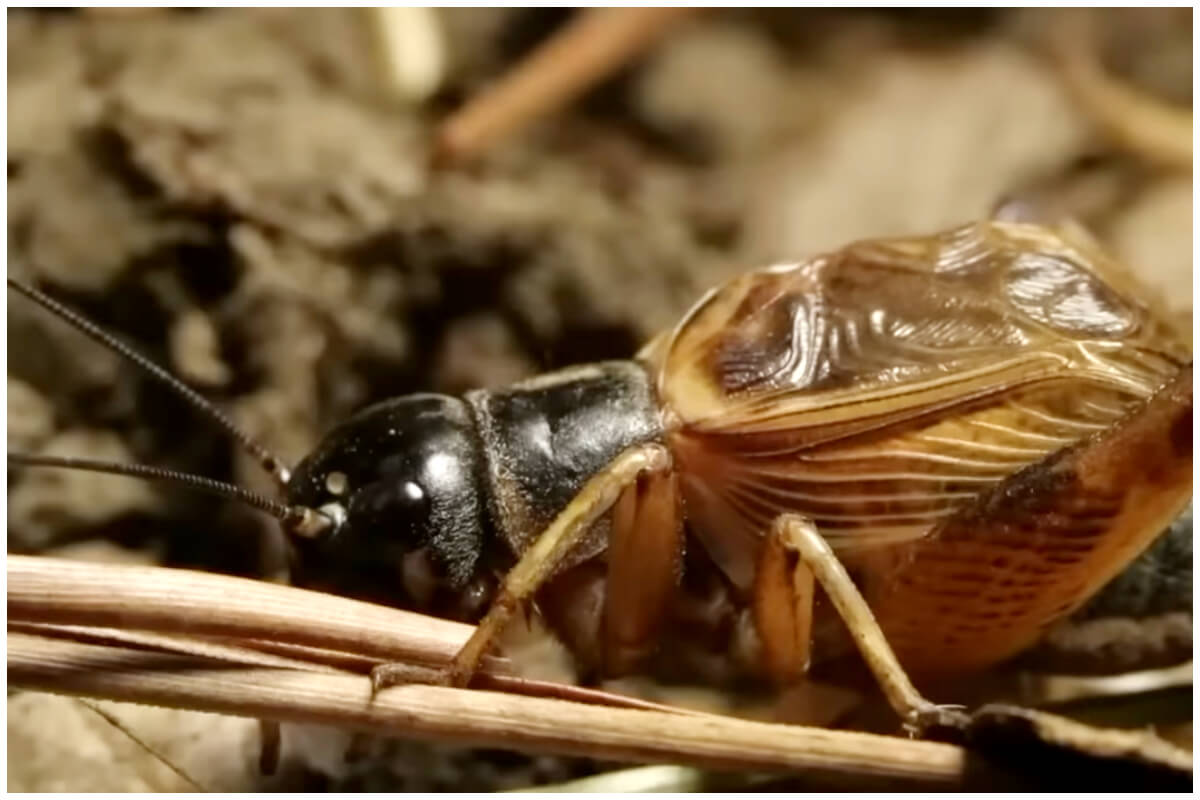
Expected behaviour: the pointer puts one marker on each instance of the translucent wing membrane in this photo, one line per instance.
(880, 388)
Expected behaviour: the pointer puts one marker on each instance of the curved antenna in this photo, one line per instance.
(300, 519)
(266, 459)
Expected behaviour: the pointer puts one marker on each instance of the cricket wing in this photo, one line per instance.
(880, 388)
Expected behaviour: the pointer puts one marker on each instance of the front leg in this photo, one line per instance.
(793, 554)
(540, 561)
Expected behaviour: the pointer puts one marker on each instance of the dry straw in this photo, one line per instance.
(215, 643)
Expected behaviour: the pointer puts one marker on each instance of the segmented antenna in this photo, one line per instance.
(266, 459)
(291, 517)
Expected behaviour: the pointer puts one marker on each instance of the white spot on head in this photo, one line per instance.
(336, 483)
(412, 491)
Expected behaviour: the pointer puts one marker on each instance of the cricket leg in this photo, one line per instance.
(645, 555)
(783, 606)
(610, 615)
(796, 553)
(539, 562)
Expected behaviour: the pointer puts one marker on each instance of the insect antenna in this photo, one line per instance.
(265, 458)
(299, 519)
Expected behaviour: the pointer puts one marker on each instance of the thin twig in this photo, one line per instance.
(164, 643)
(248, 623)
(115, 721)
(591, 47)
(272, 620)
(411, 49)
(481, 718)
(198, 603)
(140, 667)
(1155, 130)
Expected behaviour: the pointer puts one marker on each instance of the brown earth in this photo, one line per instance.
(237, 192)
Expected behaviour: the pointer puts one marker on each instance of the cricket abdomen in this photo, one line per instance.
(987, 583)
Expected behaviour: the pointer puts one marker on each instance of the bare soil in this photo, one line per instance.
(236, 192)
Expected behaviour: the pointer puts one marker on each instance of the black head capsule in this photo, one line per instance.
(403, 482)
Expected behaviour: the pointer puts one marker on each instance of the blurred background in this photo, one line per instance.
(302, 211)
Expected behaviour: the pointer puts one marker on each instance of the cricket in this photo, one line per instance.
(762, 392)
(958, 438)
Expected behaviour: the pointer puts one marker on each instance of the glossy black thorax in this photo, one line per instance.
(545, 437)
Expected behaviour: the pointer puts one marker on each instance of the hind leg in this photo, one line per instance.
(793, 555)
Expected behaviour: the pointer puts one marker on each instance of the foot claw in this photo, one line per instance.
(384, 676)
(931, 715)
(457, 675)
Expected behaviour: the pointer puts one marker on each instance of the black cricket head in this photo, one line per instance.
(402, 482)
(390, 505)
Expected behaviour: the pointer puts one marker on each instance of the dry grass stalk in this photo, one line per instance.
(473, 717)
(250, 623)
(411, 50)
(49, 600)
(594, 45)
(1134, 120)
(182, 601)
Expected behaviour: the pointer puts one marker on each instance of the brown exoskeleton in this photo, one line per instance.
(957, 438)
